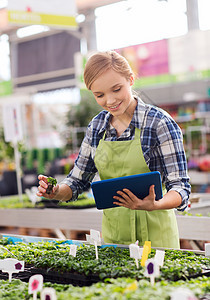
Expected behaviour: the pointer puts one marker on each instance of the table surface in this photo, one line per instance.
(190, 227)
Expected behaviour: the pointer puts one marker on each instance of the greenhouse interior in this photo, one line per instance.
(105, 149)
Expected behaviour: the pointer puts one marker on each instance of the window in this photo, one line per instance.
(203, 14)
(4, 58)
(139, 21)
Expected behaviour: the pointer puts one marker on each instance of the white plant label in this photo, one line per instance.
(96, 249)
(35, 285)
(159, 257)
(11, 265)
(136, 253)
(95, 237)
(88, 238)
(13, 129)
(91, 241)
(48, 294)
(73, 250)
(31, 193)
(152, 270)
(207, 249)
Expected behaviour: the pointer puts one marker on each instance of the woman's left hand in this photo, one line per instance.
(127, 199)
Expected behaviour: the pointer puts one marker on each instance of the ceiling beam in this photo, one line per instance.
(83, 5)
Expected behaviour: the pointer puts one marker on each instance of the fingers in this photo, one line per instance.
(41, 191)
(42, 177)
(129, 195)
(122, 203)
(126, 198)
(43, 184)
(124, 194)
(152, 191)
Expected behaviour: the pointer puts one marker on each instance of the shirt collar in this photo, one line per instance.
(105, 123)
(139, 113)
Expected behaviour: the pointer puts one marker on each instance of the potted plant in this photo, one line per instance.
(51, 183)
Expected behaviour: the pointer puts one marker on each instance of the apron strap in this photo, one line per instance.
(137, 133)
(103, 137)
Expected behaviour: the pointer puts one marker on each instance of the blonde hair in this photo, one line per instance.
(100, 62)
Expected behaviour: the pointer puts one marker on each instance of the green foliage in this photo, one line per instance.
(112, 263)
(117, 271)
(52, 181)
(121, 288)
(82, 201)
(6, 148)
(13, 202)
(81, 114)
(14, 290)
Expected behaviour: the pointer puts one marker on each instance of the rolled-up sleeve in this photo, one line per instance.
(173, 159)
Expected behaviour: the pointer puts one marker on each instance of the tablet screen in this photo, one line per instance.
(104, 190)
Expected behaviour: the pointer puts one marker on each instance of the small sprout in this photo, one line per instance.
(51, 183)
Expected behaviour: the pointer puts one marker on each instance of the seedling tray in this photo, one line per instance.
(23, 276)
(55, 204)
(203, 273)
(67, 273)
(73, 278)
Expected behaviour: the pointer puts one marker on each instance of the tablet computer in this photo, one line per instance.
(104, 190)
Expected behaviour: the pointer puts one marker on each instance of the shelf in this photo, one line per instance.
(191, 117)
(86, 219)
(188, 230)
(202, 208)
(202, 114)
(199, 178)
(185, 118)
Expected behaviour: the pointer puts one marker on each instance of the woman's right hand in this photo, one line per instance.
(42, 188)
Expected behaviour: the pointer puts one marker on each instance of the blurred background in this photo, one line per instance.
(44, 106)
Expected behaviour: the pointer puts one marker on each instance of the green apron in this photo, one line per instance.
(122, 225)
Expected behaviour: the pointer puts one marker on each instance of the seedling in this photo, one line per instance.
(51, 183)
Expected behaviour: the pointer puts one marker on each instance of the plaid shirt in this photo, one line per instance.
(162, 147)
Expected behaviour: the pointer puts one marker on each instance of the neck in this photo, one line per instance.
(122, 122)
(128, 115)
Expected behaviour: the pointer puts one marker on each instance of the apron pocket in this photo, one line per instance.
(162, 229)
(118, 225)
(110, 225)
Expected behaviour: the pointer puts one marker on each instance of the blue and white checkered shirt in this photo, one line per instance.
(162, 147)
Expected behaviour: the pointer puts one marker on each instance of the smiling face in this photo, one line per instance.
(112, 92)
